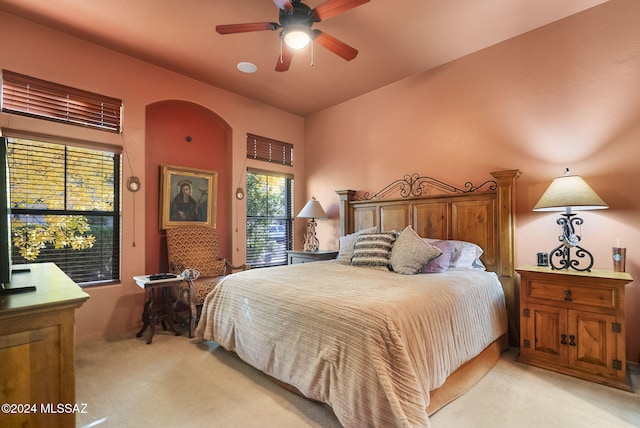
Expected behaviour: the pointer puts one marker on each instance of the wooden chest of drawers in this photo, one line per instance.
(37, 349)
(574, 323)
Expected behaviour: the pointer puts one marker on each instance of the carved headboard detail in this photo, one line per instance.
(481, 214)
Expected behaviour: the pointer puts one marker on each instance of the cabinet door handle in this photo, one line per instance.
(563, 339)
(567, 296)
(572, 339)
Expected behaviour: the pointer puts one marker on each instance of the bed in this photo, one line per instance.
(379, 347)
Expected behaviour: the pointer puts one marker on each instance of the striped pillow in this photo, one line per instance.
(347, 243)
(373, 250)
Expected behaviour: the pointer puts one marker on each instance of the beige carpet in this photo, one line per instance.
(174, 382)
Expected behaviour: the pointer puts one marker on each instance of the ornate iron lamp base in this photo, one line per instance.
(570, 240)
(311, 243)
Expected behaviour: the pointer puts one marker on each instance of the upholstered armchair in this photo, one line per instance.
(196, 247)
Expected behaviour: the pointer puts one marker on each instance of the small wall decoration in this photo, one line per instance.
(187, 196)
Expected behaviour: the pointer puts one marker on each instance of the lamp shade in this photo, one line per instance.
(569, 191)
(312, 209)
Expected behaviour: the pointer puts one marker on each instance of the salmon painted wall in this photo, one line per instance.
(43, 53)
(565, 95)
(185, 135)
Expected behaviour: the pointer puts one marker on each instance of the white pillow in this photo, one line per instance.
(466, 255)
(410, 252)
(347, 243)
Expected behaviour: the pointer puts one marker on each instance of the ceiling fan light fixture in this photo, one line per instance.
(296, 37)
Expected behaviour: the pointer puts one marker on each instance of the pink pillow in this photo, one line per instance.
(440, 263)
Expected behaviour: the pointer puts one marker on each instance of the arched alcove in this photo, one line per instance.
(184, 134)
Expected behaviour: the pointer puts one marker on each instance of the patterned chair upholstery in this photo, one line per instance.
(196, 247)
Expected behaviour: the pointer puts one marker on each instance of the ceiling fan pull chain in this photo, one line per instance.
(312, 53)
(281, 50)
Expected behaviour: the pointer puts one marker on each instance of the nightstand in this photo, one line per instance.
(158, 307)
(294, 257)
(573, 322)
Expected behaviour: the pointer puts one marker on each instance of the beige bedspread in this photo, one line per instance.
(370, 344)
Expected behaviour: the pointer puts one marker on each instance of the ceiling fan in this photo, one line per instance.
(296, 19)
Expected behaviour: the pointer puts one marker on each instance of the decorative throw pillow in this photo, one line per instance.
(410, 252)
(440, 263)
(372, 250)
(347, 243)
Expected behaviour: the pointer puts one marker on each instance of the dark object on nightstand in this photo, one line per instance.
(543, 259)
(157, 276)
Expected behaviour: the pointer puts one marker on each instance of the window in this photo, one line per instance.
(65, 208)
(28, 96)
(269, 218)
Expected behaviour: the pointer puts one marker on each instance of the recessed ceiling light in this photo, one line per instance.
(247, 67)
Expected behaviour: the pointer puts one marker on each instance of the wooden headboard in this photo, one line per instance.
(482, 214)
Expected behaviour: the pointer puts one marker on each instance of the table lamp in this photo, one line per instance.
(312, 210)
(565, 193)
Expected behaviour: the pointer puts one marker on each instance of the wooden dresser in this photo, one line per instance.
(37, 341)
(573, 322)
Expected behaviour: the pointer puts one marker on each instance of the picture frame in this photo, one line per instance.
(187, 196)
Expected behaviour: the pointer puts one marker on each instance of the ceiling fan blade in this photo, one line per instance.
(245, 28)
(334, 45)
(283, 4)
(284, 60)
(334, 7)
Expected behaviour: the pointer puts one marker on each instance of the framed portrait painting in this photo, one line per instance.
(187, 196)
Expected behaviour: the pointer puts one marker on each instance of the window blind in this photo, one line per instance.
(28, 96)
(269, 150)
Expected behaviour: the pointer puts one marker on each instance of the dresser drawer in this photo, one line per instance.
(602, 297)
